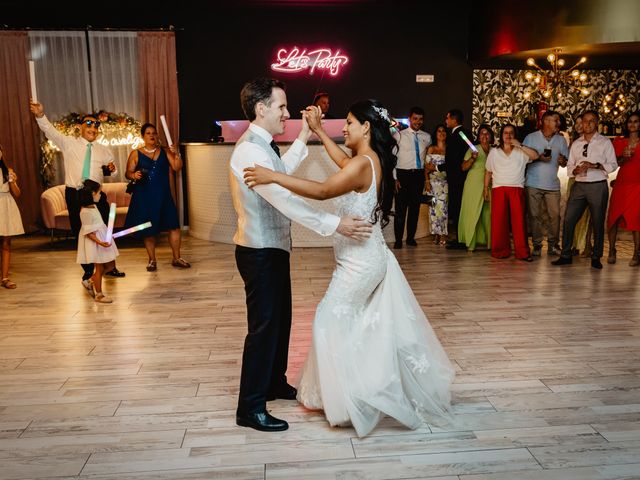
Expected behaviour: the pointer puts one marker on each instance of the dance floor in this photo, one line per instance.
(547, 360)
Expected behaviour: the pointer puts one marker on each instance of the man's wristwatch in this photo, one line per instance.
(598, 166)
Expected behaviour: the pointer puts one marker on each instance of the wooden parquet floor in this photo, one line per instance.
(547, 359)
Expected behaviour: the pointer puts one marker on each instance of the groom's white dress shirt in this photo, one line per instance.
(247, 154)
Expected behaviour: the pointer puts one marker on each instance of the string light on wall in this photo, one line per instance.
(555, 82)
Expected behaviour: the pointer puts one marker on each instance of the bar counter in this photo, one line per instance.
(211, 213)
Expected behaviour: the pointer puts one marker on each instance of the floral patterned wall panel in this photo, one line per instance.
(498, 96)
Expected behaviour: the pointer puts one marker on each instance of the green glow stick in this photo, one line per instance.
(471, 145)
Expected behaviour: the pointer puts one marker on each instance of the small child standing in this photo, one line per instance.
(92, 247)
(10, 220)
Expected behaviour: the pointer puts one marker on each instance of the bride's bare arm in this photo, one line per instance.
(345, 180)
(314, 119)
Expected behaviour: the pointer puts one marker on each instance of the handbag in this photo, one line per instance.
(427, 198)
(130, 186)
(133, 183)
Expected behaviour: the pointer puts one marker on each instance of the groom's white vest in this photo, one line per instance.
(260, 225)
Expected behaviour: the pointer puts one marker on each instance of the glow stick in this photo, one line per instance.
(471, 145)
(137, 228)
(32, 75)
(166, 129)
(112, 219)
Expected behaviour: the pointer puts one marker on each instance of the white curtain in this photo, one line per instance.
(114, 72)
(62, 72)
(74, 75)
(114, 82)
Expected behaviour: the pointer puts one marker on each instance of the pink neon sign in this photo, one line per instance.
(296, 60)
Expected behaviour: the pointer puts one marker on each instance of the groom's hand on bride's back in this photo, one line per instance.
(354, 227)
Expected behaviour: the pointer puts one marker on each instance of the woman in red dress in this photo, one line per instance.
(624, 208)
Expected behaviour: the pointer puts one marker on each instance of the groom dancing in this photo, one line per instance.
(263, 243)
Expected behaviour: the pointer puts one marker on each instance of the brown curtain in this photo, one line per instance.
(158, 82)
(19, 134)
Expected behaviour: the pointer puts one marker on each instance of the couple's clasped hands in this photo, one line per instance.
(311, 122)
(312, 117)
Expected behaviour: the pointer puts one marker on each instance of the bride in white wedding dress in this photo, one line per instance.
(373, 351)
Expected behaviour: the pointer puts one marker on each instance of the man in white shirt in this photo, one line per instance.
(591, 160)
(263, 243)
(84, 159)
(410, 177)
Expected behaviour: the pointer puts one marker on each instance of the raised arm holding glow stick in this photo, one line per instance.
(110, 223)
(468, 142)
(32, 76)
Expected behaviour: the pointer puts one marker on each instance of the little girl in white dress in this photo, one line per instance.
(92, 245)
(10, 220)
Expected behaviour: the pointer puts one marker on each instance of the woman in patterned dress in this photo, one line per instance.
(437, 185)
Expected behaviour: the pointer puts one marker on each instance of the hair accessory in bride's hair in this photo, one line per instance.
(382, 113)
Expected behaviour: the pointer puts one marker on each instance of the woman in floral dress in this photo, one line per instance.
(437, 185)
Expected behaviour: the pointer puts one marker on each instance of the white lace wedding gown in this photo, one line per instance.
(373, 351)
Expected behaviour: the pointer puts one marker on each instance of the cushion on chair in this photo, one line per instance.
(54, 207)
(52, 203)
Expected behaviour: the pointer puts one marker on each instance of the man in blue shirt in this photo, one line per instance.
(542, 183)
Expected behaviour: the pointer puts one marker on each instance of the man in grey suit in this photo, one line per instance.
(263, 245)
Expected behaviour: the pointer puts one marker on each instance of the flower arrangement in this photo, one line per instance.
(111, 124)
(115, 129)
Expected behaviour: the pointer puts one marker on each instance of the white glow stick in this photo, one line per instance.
(471, 145)
(137, 228)
(112, 219)
(166, 129)
(32, 75)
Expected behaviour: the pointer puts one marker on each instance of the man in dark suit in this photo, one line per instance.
(454, 156)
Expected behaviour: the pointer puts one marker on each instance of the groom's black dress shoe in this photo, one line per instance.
(284, 393)
(261, 421)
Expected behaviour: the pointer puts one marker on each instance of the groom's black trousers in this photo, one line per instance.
(267, 284)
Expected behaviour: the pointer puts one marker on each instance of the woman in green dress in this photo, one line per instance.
(474, 226)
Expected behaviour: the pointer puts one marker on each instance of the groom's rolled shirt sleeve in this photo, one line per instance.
(290, 205)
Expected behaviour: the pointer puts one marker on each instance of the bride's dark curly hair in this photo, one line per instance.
(385, 146)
